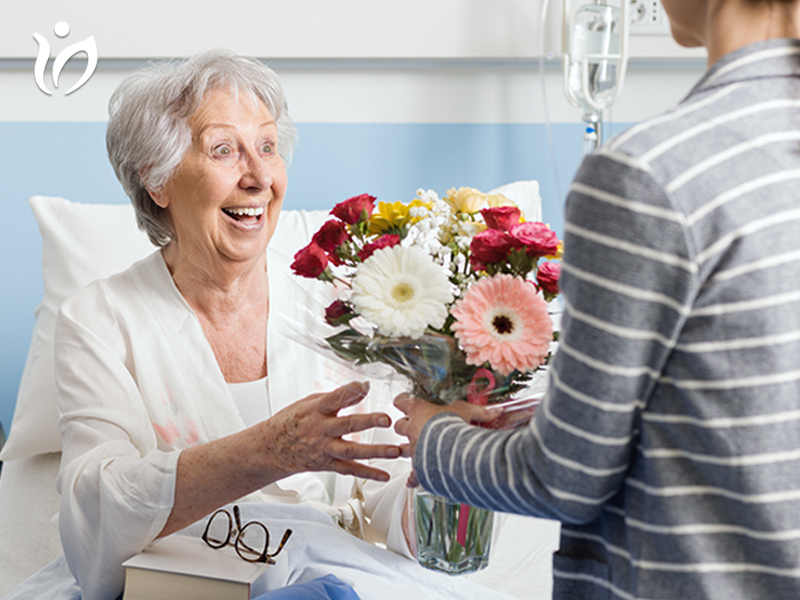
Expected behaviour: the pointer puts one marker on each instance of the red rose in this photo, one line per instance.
(537, 238)
(338, 313)
(547, 277)
(385, 241)
(476, 264)
(331, 235)
(310, 261)
(351, 211)
(501, 217)
(490, 246)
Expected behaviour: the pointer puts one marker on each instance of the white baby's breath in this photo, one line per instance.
(426, 233)
(402, 291)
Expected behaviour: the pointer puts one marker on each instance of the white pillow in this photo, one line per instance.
(81, 243)
(524, 194)
(84, 242)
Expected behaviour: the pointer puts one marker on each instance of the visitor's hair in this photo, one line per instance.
(148, 130)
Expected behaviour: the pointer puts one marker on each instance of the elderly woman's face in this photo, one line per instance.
(225, 197)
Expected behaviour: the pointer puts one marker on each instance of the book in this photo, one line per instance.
(179, 567)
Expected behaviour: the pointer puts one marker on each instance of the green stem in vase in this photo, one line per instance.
(442, 528)
(440, 543)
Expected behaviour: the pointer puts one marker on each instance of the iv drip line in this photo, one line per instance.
(542, 28)
(593, 116)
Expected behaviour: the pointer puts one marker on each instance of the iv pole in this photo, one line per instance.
(585, 66)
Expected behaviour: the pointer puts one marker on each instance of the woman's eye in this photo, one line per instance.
(223, 150)
(267, 148)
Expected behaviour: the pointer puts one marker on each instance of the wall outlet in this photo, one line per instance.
(648, 18)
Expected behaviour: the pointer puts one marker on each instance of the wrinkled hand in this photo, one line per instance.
(308, 435)
(419, 412)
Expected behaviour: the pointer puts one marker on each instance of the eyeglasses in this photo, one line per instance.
(251, 540)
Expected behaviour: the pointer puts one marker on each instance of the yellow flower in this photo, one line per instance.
(466, 200)
(498, 200)
(392, 216)
(559, 253)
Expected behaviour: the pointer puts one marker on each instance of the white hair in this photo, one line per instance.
(148, 130)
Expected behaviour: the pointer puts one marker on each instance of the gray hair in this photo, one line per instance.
(148, 130)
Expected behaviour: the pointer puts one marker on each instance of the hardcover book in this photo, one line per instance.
(179, 567)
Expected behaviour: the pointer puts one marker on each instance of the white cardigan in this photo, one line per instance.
(138, 382)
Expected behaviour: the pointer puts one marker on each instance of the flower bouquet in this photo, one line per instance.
(452, 293)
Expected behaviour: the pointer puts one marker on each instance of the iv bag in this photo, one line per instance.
(595, 46)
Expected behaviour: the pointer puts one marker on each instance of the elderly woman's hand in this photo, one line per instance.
(308, 435)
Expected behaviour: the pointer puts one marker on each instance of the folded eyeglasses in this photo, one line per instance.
(251, 541)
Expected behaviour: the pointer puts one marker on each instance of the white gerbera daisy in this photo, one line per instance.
(402, 291)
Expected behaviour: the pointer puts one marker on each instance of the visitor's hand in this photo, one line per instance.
(419, 412)
(308, 435)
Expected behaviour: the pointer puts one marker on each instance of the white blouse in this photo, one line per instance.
(252, 400)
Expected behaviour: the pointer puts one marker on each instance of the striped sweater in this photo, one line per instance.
(669, 442)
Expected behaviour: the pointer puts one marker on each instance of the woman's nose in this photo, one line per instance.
(256, 172)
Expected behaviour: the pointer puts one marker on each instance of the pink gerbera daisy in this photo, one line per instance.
(504, 321)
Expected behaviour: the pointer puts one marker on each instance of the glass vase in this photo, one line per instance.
(451, 537)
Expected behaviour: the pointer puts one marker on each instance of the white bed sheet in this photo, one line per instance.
(28, 501)
(520, 567)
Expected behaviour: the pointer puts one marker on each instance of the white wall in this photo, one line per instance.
(341, 60)
(445, 29)
(376, 92)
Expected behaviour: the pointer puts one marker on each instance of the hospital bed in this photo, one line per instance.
(82, 242)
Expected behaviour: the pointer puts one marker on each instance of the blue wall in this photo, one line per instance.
(331, 162)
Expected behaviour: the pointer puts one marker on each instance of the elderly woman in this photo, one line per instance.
(177, 392)
(668, 441)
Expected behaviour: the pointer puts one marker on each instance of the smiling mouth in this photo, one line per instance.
(245, 215)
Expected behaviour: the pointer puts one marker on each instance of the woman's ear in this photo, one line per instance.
(160, 197)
